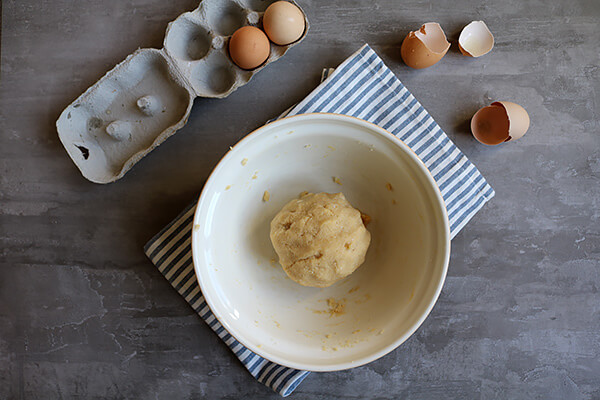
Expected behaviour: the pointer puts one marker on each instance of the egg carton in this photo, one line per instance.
(148, 97)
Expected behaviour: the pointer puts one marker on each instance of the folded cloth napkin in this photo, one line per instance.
(363, 87)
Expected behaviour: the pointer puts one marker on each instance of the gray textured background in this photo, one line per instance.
(83, 313)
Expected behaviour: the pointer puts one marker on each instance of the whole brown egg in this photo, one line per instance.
(249, 47)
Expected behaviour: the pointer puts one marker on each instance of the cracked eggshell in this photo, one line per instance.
(502, 121)
(146, 98)
(425, 47)
(475, 39)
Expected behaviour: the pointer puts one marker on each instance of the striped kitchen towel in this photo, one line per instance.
(363, 87)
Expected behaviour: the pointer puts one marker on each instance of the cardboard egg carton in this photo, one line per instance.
(148, 97)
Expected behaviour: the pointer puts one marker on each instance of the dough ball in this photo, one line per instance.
(319, 238)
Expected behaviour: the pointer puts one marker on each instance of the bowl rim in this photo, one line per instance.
(438, 203)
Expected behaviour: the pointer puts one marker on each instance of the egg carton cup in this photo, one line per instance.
(148, 97)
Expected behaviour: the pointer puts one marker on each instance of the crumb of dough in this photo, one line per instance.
(244, 161)
(273, 262)
(334, 349)
(331, 148)
(328, 335)
(303, 194)
(389, 187)
(354, 289)
(394, 201)
(259, 345)
(196, 227)
(336, 307)
(365, 219)
(380, 332)
(227, 187)
(277, 324)
(356, 331)
(266, 196)
(255, 176)
(337, 180)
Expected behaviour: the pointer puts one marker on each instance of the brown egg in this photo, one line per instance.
(425, 47)
(249, 47)
(502, 121)
(283, 23)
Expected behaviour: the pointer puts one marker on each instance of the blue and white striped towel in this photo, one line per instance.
(363, 87)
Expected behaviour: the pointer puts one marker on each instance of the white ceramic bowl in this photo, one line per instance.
(386, 299)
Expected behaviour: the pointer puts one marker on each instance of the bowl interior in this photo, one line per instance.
(384, 301)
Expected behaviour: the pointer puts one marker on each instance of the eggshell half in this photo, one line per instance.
(502, 121)
(518, 119)
(475, 39)
(425, 47)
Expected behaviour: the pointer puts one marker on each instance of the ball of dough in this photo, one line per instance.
(319, 238)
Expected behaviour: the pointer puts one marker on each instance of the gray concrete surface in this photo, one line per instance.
(83, 313)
